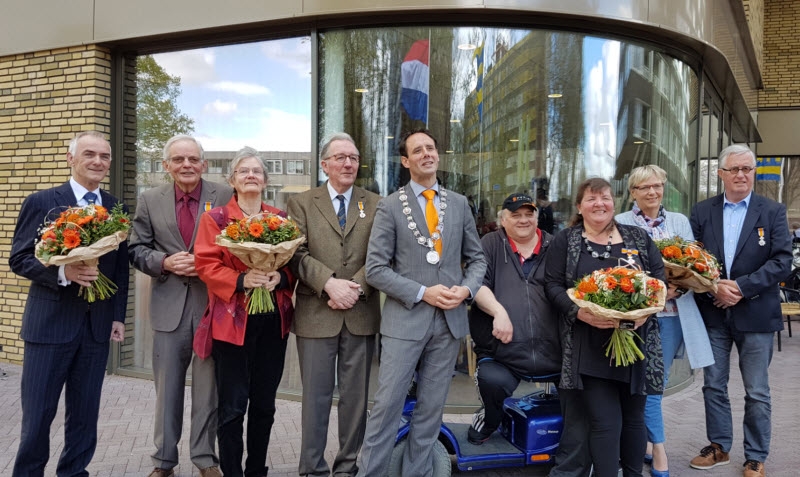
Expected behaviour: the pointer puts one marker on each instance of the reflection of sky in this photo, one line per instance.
(255, 94)
(601, 105)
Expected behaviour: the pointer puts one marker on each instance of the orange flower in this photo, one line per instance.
(273, 222)
(611, 283)
(654, 284)
(73, 218)
(232, 231)
(255, 229)
(672, 251)
(700, 267)
(693, 252)
(627, 285)
(85, 220)
(71, 239)
(587, 285)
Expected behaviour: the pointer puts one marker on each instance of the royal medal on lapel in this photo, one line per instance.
(207, 206)
(761, 236)
(361, 213)
(630, 253)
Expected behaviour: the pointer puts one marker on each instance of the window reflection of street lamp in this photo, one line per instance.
(555, 95)
(361, 90)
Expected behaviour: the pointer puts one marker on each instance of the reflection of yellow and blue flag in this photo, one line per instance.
(479, 89)
(768, 168)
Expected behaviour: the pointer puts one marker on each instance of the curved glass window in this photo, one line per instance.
(513, 111)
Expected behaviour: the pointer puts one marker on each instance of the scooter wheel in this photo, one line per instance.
(440, 459)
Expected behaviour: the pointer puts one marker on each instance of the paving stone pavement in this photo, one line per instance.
(126, 420)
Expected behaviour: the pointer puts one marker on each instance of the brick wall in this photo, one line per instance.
(754, 10)
(46, 97)
(781, 55)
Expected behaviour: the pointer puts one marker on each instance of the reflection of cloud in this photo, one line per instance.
(602, 106)
(277, 131)
(297, 58)
(220, 107)
(238, 87)
(192, 66)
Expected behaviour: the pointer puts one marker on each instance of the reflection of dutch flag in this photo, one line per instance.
(415, 79)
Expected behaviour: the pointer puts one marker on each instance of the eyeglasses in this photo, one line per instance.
(735, 170)
(340, 158)
(645, 188)
(244, 172)
(178, 160)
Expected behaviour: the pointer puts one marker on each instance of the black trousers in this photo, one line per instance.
(618, 435)
(251, 373)
(495, 383)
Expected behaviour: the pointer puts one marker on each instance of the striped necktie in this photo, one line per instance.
(341, 214)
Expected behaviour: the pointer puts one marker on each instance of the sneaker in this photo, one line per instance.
(754, 468)
(477, 437)
(710, 456)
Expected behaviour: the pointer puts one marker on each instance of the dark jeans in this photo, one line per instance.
(251, 373)
(617, 432)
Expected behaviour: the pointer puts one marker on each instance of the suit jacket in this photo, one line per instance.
(155, 236)
(396, 264)
(328, 252)
(756, 268)
(55, 314)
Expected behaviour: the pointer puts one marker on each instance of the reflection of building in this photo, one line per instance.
(525, 135)
(654, 118)
(288, 173)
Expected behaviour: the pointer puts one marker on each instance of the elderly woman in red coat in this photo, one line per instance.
(248, 350)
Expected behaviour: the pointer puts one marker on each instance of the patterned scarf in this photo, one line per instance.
(656, 228)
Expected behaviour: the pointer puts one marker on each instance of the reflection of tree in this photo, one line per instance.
(157, 115)
(370, 59)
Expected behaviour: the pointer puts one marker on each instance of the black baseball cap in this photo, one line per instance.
(515, 201)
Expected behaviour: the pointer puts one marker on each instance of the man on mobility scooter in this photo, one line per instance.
(517, 335)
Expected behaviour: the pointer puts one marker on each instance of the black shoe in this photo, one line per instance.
(477, 437)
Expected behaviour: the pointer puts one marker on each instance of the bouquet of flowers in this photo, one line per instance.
(84, 234)
(621, 293)
(264, 242)
(688, 265)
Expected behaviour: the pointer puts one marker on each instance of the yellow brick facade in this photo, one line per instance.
(781, 55)
(46, 97)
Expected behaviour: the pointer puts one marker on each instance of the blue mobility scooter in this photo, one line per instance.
(528, 435)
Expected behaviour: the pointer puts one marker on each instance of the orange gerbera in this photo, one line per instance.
(672, 251)
(611, 283)
(255, 229)
(587, 285)
(71, 239)
(232, 231)
(73, 218)
(274, 222)
(49, 235)
(85, 220)
(627, 285)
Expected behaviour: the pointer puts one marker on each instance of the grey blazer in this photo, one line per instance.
(396, 265)
(155, 235)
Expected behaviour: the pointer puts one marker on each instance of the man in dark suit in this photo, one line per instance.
(750, 236)
(66, 338)
(425, 254)
(161, 246)
(337, 314)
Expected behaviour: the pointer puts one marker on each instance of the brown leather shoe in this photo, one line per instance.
(212, 471)
(157, 472)
(710, 456)
(754, 468)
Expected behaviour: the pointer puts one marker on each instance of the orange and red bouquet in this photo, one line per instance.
(689, 265)
(84, 234)
(265, 242)
(621, 293)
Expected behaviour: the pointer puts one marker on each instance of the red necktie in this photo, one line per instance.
(186, 220)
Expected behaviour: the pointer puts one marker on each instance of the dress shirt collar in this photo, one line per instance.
(745, 201)
(80, 191)
(332, 192)
(194, 194)
(418, 189)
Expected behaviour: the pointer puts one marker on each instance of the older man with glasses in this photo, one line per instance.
(749, 234)
(162, 246)
(337, 313)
